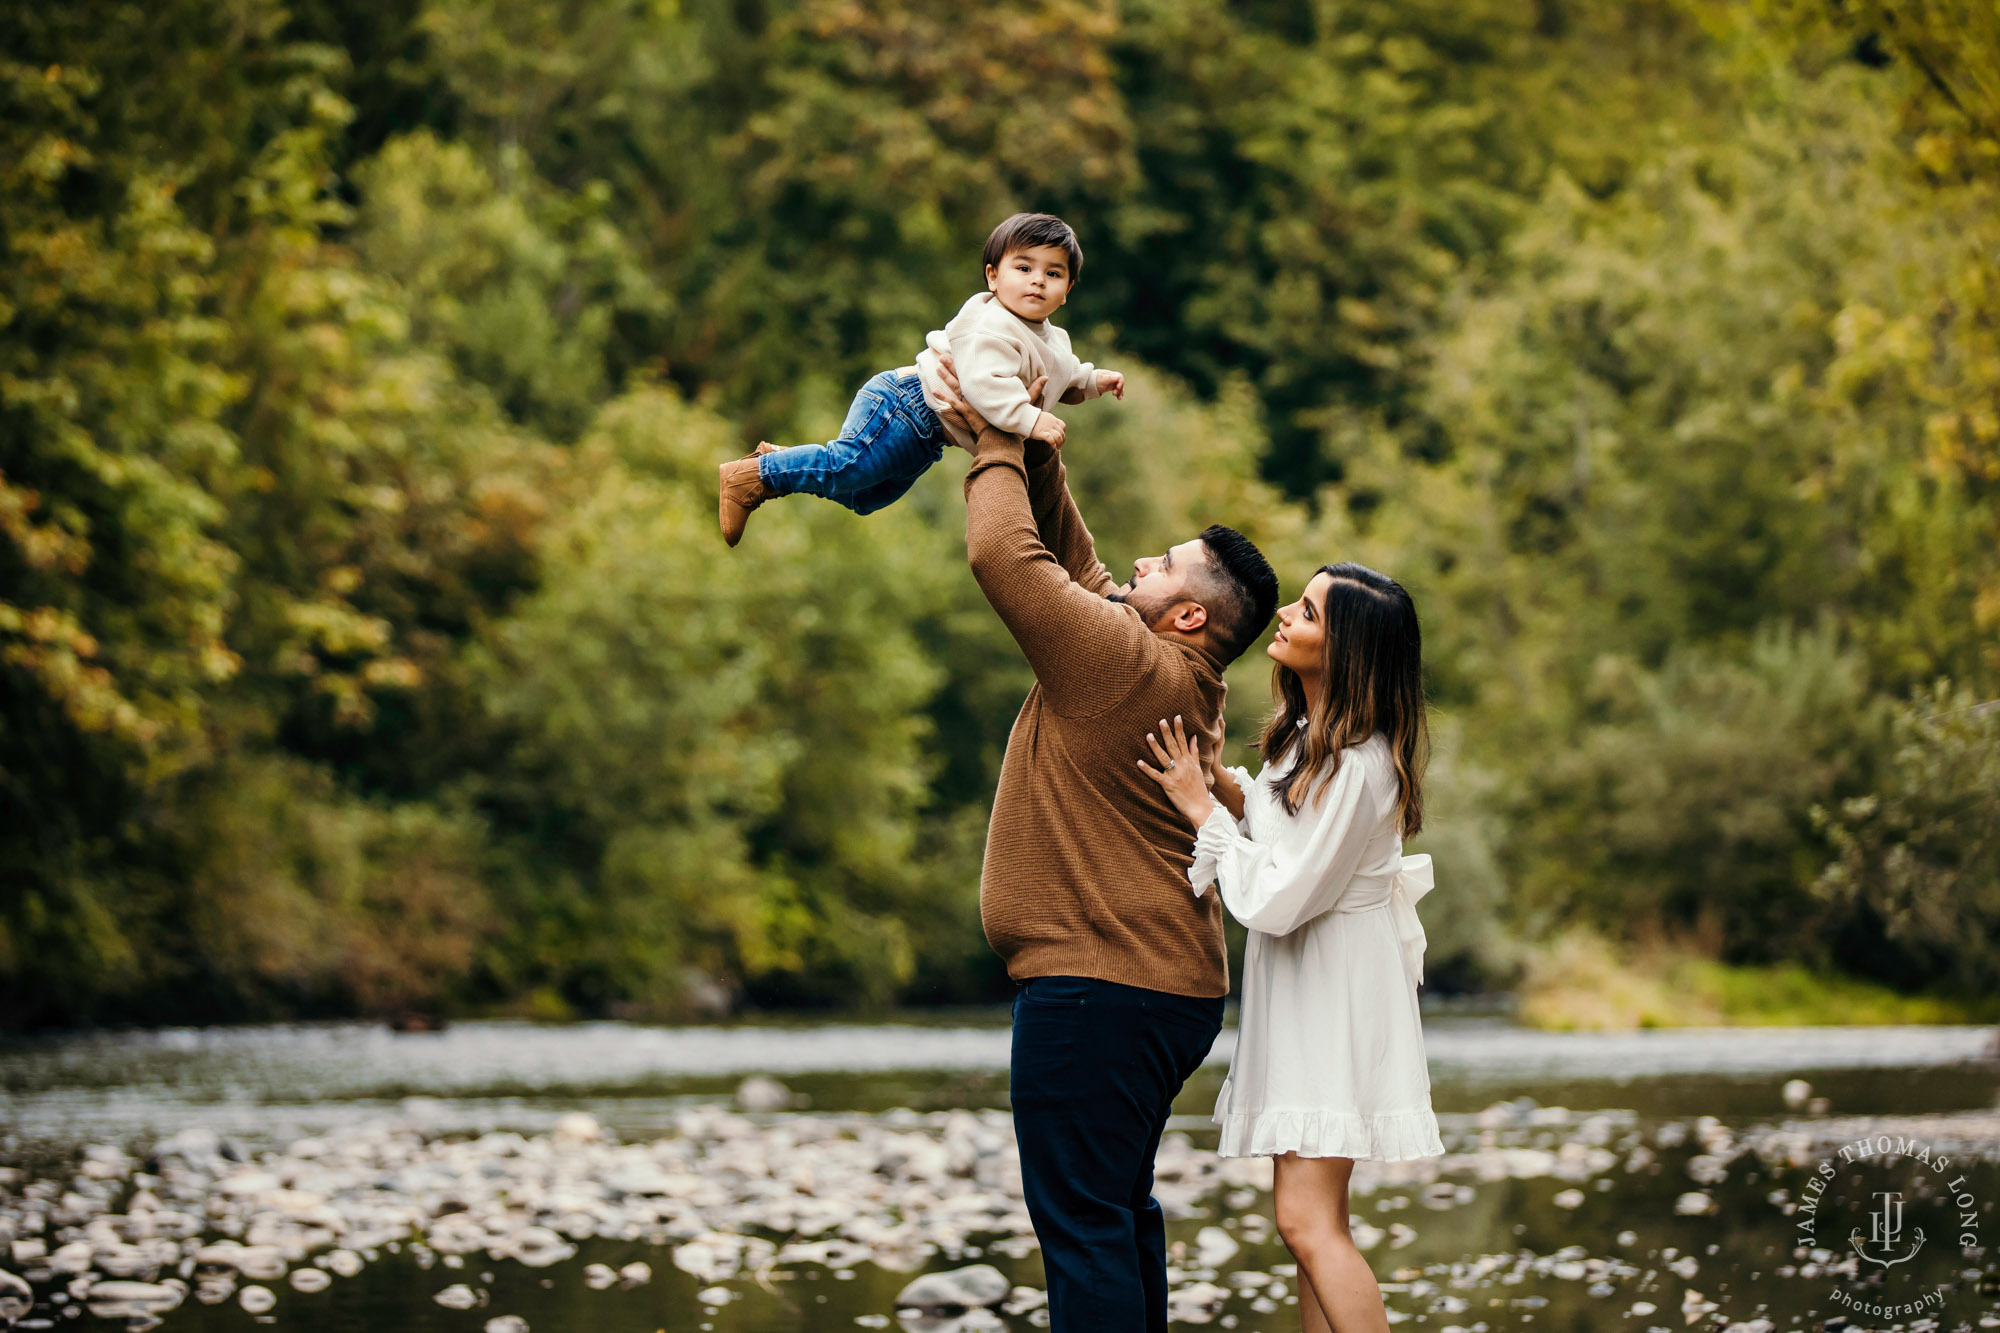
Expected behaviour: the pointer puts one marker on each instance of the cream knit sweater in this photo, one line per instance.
(998, 355)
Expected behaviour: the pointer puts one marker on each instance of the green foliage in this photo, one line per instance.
(1583, 980)
(302, 898)
(531, 292)
(365, 643)
(1682, 801)
(1921, 853)
(114, 591)
(733, 748)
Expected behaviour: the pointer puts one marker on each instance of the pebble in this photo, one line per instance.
(535, 1247)
(16, 1299)
(722, 1196)
(506, 1323)
(1196, 1304)
(762, 1095)
(261, 1263)
(133, 1300)
(1214, 1247)
(960, 1289)
(73, 1258)
(578, 1127)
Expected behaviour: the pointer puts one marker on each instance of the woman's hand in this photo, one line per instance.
(1180, 773)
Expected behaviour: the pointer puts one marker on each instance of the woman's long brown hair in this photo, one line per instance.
(1372, 676)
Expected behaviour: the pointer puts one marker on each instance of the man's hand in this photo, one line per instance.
(963, 412)
(1111, 382)
(1048, 429)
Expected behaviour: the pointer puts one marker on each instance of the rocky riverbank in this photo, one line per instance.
(731, 1196)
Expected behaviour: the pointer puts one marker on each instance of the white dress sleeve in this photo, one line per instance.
(1278, 892)
(1204, 870)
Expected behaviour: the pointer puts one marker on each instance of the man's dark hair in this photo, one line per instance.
(1238, 589)
(1025, 231)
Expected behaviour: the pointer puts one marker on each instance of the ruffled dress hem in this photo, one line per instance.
(1390, 1136)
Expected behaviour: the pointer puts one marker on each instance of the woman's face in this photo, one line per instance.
(1300, 642)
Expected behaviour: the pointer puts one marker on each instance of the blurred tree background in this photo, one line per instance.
(366, 645)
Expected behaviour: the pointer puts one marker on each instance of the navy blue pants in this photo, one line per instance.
(1095, 1069)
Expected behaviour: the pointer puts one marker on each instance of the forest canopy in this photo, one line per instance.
(367, 645)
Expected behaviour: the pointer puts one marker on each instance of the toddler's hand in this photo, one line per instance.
(1111, 382)
(1048, 429)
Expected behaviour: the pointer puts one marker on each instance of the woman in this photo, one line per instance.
(1329, 1063)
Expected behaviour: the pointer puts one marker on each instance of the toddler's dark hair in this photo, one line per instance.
(1024, 231)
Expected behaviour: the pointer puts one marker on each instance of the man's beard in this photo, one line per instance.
(1151, 609)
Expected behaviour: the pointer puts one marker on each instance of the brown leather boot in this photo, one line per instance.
(742, 490)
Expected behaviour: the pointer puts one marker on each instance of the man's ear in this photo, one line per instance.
(1189, 617)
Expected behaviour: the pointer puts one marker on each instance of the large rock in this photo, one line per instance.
(975, 1287)
(132, 1300)
(16, 1298)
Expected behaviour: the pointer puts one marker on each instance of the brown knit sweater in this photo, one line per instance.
(1086, 859)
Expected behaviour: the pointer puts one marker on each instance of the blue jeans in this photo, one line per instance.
(1094, 1071)
(890, 437)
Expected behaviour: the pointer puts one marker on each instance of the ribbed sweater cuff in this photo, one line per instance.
(997, 448)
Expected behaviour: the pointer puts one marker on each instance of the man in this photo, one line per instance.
(1120, 968)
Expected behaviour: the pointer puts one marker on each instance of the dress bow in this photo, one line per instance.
(1413, 881)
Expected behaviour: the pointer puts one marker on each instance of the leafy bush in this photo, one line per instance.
(1920, 854)
(1683, 804)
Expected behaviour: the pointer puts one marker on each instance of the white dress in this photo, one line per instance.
(1330, 1048)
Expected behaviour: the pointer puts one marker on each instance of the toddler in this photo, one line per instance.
(1000, 342)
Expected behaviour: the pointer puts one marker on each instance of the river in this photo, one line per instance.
(1649, 1180)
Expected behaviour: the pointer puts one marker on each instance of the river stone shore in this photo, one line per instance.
(729, 1195)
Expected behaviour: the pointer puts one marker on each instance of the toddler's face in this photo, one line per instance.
(1032, 283)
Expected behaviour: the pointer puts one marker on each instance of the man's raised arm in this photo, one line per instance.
(1057, 520)
(1087, 652)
